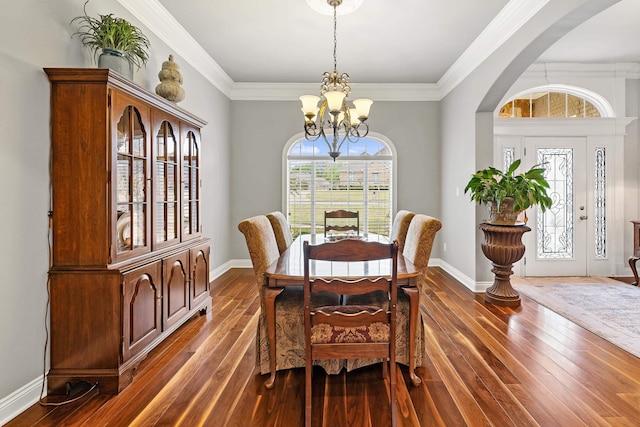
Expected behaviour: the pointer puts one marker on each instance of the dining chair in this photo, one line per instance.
(350, 331)
(343, 225)
(281, 309)
(281, 229)
(399, 227)
(419, 241)
(417, 249)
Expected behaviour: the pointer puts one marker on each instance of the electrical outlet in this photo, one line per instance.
(445, 247)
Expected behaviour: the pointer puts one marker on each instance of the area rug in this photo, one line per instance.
(606, 307)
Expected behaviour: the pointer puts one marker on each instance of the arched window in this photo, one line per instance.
(360, 179)
(556, 101)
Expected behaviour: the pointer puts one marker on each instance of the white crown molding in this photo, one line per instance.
(376, 91)
(155, 17)
(511, 18)
(579, 70)
(514, 15)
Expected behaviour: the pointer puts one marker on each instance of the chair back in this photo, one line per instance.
(350, 331)
(342, 226)
(399, 228)
(419, 241)
(281, 229)
(261, 242)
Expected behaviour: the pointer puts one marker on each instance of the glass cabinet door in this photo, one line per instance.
(190, 186)
(167, 185)
(132, 203)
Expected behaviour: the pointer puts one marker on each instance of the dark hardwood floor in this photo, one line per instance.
(485, 366)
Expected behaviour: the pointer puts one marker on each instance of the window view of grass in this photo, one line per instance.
(378, 214)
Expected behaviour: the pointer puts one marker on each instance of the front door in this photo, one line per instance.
(557, 244)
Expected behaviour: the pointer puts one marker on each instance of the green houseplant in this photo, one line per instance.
(115, 38)
(507, 194)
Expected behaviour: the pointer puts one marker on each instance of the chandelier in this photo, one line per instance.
(335, 120)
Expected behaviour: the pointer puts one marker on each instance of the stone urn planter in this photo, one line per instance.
(503, 246)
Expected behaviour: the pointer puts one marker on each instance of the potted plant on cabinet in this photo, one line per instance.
(121, 44)
(507, 195)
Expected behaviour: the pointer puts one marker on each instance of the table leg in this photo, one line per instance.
(414, 298)
(634, 269)
(270, 295)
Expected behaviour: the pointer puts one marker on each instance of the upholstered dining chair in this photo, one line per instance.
(399, 227)
(350, 331)
(280, 322)
(419, 241)
(417, 249)
(281, 229)
(343, 226)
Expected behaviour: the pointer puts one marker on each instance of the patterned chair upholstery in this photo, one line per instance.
(417, 249)
(281, 229)
(289, 310)
(400, 227)
(263, 250)
(420, 236)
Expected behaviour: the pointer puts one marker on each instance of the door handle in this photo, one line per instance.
(583, 217)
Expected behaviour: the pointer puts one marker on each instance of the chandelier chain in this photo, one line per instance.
(335, 39)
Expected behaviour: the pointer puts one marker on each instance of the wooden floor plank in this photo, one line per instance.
(484, 365)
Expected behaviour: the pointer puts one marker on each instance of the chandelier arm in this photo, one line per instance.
(312, 132)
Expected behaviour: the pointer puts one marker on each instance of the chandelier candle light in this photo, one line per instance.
(335, 120)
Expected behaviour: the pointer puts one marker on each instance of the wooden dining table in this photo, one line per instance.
(288, 270)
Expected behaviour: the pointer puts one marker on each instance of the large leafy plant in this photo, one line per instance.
(108, 31)
(527, 189)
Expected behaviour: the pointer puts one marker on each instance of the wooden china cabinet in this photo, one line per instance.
(129, 263)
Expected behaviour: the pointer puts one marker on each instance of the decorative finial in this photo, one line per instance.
(170, 86)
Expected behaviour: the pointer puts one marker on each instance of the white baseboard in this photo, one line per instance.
(20, 400)
(234, 263)
(477, 287)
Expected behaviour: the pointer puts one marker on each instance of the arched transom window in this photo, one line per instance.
(360, 179)
(556, 101)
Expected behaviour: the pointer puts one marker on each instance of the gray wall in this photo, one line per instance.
(37, 34)
(261, 129)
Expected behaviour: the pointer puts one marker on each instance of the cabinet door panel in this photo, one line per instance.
(166, 180)
(199, 274)
(176, 288)
(141, 308)
(130, 176)
(191, 221)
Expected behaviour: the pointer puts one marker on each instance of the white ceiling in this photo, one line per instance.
(384, 41)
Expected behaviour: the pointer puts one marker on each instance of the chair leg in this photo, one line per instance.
(270, 295)
(307, 393)
(414, 298)
(392, 394)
